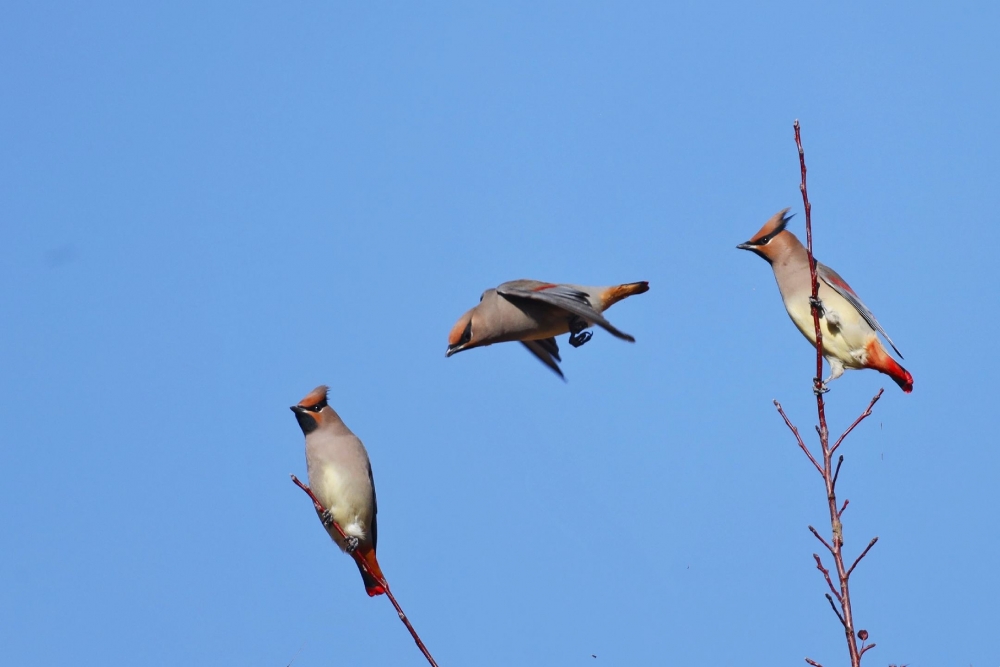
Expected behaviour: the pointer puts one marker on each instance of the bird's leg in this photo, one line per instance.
(577, 335)
(350, 543)
(836, 370)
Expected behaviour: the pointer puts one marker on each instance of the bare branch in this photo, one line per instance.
(813, 663)
(797, 436)
(830, 476)
(835, 610)
(826, 575)
(867, 413)
(841, 512)
(836, 473)
(863, 554)
(327, 518)
(820, 538)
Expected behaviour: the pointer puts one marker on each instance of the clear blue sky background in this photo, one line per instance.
(208, 209)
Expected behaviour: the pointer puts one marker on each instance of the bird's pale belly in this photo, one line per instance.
(845, 333)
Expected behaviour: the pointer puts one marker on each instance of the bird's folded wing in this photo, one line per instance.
(840, 286)
(561, 296)
(547, 352)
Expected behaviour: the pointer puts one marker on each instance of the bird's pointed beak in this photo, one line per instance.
(452, 349)
(745, 246)
(297, 409)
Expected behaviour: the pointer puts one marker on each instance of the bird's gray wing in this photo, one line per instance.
(547, 352)
(840, 286)
(374, 526)
(565, 297)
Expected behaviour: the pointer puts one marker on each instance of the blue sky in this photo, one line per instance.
(209, 209)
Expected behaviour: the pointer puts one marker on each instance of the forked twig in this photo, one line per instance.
(361, 563)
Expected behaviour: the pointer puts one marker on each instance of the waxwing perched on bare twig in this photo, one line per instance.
(850, 331)
(341, 477)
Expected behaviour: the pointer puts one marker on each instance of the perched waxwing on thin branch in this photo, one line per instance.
(535, 312)
(341, 477)
(849, 328)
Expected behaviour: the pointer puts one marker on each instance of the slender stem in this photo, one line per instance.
(836, 611)
(361, 563)
(836, 473)
(867, 413)
(820, 538)
(798, 437)
(843, 507)
(836, 543)
(814, 300)
(863, 554)
(826, 575)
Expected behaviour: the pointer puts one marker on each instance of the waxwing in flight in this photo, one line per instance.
(849, 328)
(534, 313)
(341, 477)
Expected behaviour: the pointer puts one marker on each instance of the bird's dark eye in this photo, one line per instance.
(467, 334)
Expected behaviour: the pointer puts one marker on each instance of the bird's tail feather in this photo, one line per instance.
(613, 295)
(372, 586)
(880, 360)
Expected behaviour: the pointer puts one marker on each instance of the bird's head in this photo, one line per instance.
(769, 240)
(310, 411)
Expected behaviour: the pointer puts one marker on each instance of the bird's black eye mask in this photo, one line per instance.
(764, 240)
(467, 334)
(319, 406)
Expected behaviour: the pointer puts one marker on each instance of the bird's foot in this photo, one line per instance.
(577, 335)
(817, 303)
(578, 339)
(351, 544)
(327, 518)
(819, 387)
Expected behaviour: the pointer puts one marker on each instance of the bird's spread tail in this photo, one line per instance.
(880, 360)
(613, 295)
(372, 586)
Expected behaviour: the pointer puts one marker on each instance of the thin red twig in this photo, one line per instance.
(814, 300)
(820, 538)
(867, 413)
(836, 611)
(327, 518)
(836, 474)
(826, 575)
(844, 506)
(797, 436)
(813, 663)
(863, 554)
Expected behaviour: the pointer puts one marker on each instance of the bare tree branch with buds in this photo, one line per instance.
(839, 596)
